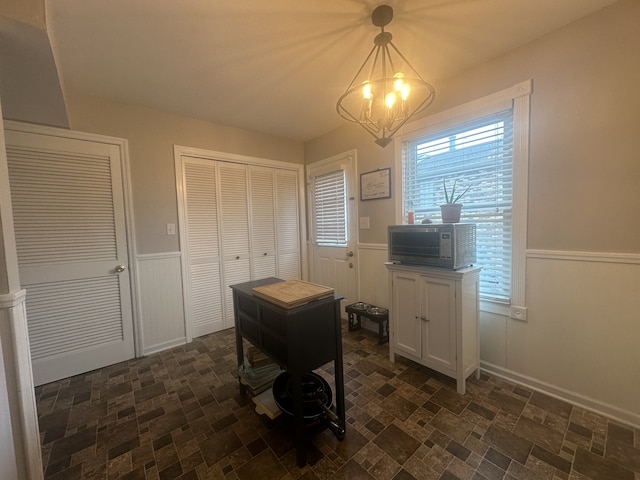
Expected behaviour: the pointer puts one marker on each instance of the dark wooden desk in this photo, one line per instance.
(299, 339)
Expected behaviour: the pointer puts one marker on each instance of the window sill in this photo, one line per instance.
(497, 308)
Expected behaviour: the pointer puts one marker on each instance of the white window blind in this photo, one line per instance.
(479, 154)
(330, 211)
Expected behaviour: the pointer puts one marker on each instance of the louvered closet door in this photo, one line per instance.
(287, 224)
(68, 209)
(263, 228)
(203, 245)
(234, 208)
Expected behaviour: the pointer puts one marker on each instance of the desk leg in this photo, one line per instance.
(298, 411)
(339, 374)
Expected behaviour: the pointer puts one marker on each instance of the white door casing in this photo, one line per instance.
(72, 237)
(335, 266)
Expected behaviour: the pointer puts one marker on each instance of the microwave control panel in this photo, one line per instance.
(445, 245)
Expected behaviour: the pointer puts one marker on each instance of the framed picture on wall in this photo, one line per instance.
(375, 184)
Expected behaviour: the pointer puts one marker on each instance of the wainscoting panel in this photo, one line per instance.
(373, 283)
(19, 416)
(160, 302)
(580, 341)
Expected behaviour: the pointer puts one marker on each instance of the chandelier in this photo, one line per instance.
(387, 91)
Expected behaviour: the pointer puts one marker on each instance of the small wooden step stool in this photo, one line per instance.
(378, 315)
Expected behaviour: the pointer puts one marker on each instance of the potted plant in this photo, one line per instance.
(451, 208)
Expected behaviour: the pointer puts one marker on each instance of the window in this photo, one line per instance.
(330, 209)
(483, 144)
(477, 154)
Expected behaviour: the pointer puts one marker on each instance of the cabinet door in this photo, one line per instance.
(263, 229)
(438, 312)
(406, 323)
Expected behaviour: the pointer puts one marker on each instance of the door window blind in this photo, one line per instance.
(330, 210)
(478, 154)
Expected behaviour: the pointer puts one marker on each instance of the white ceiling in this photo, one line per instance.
(276, 66)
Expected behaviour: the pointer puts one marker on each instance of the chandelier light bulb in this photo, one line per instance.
(398, 82)
(406, 89)
(390, 100)
(366, 90)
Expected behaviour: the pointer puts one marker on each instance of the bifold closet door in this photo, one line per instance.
(203, 253)
(234, 210)
(263, 222)
(241, 222)
(287, 215)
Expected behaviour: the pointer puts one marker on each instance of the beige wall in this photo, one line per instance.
(584, 196)
(152, 135)
(26, 11)
(585, 112)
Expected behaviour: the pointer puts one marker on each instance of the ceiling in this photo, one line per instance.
(276, 66)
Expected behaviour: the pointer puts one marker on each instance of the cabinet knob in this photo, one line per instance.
(238, 257)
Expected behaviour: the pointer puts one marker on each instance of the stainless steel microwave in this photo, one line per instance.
(447, 245)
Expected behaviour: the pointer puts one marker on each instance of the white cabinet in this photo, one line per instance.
(434, 319)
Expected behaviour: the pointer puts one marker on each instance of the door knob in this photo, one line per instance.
(120, 268)
(349, 253)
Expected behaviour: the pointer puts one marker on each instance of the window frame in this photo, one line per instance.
(516, 97)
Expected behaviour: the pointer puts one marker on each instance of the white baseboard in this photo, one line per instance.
(164, 346)
(610, 411)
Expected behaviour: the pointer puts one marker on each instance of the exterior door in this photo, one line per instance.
(333, 216)
(69, 216)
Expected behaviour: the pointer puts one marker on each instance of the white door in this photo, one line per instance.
(288, 219)
(332, 207)
(234, 223)
(201, 243)
(69, 216)
(263, 222)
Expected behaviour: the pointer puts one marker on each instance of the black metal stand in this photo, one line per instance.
(376, 314)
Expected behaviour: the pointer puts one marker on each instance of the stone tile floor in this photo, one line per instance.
(179, 415)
